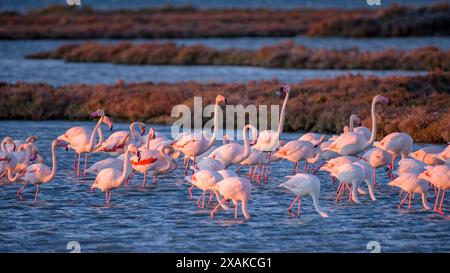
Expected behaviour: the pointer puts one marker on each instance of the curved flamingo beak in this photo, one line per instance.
(138, 154)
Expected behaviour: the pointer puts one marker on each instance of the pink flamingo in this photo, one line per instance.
(377, 157)
(205, 180)
(111, 178)
(268, 141)
(303, 185)
(235, 189)
(157, 161)
(439, 177)
(445, 155)
(233, 153)
(396, 143)
(38, 173)
(411, 183)
(352, 143)
(208, 164)
(351, 176)
(114, 144)
(296, 151)
(364, 131)
(314, 138)
(194, 144)
(82, 141)
(410, 165)
(429, 155)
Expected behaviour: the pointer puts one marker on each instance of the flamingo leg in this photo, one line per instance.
(154, 179)
(299, 206)
(374, 177)
(216, 208)
(37, 192)
(250, 171)
(19, 192)
(78, 164)
(235, 210)
(211, 195)
(200, 198)
(437, 198)
(186, 165)
(318, 167)
(403, 201)
(190, 192)
(145, 179)
(410, 199)
(268, 166)
(441, 211)
(339, 192)
(295, 168)
(85, 164)
(293, 203)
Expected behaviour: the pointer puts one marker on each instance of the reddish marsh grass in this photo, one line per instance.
(420, 105)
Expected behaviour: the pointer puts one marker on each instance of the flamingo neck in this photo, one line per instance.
(93, 132)
(167, 158)
(126, 169)
(135, 133)
(28, 153)
(317, 206)
(3, 146)
(374, 125)
(216, 124)
(100, 137)
(281, 120)
(246, 143)
(352, 124)
(147, 141)
(11, 178)
(53, 173)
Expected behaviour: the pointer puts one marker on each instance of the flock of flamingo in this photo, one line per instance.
(350, 158)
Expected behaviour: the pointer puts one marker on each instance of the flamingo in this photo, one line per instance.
(364, 131)
(296, 151)
(439, 177)
(410, 165)
(396, 143)
(82, 141)
(194, 144)
(314, 138)
(351, 175)
(429, 155)
(157, 161)
(114, 144)
(17, 142)
(205, 180)
(235, 189)
(411, 183)
(445, 155)
(208, 164)
(302, 185)
(268, 141)
(352, 143)
(233, 153)
(111, 178)
(4, 153)
(39, 173)
(377, 157)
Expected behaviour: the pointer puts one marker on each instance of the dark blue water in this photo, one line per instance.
(23, 5)
(162, 219)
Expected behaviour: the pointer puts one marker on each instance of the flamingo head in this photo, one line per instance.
(285, 88)
(106, 120)
(151, 133)
(141, 126)
(221, 99)
(355, 119)
(383, 99)
(60, 143)
(132, 149)
(9, 140)
(98, 113)
(32, 139)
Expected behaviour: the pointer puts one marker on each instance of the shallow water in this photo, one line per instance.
(161, 218)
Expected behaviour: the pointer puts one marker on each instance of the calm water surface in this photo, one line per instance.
(14, 67)
(162, 219)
